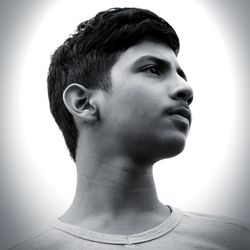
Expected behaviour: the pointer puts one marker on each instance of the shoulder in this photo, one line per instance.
(47, 238)
(215, 221)
(224, 231)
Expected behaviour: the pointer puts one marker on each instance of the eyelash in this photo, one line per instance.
(152, 69)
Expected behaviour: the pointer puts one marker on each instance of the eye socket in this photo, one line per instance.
(152, 70)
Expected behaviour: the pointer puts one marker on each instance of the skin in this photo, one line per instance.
(122, 135)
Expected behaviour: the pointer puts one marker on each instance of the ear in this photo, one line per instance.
(77, 100)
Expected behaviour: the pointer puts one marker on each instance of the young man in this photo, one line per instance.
(121, 99)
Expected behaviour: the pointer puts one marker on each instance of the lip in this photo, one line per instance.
(182, 113)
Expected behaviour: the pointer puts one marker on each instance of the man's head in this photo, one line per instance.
(87, 57)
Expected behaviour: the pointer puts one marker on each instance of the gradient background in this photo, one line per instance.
(210, 176)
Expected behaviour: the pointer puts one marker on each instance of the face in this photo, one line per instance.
(147, 115)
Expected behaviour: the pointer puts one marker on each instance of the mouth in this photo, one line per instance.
(182, 113)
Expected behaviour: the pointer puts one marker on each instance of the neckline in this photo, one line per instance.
(165, 227)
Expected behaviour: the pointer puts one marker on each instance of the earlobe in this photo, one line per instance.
(77, 100)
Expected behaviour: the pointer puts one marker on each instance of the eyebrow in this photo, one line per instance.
(163, 63)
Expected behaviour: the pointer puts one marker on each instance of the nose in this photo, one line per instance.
(182, 92)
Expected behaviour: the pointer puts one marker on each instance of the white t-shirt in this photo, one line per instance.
(180, 231)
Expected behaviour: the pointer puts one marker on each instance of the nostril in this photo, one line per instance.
(185, 95)
(181, 95)
(183, 92)
(189, 101)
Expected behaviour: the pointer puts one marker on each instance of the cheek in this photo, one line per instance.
(134, 102)
(138, 106)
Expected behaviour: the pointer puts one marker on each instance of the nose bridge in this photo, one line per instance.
(181, 90)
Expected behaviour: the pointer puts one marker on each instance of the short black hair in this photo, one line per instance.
(88, 55)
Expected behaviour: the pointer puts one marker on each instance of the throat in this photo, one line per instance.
(128, 223)
(116, 198)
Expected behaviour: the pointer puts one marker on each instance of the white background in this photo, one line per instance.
(212, 173)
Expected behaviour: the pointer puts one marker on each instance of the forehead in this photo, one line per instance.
(142, 50)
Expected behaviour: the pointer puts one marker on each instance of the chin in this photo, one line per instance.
(173, 147)
(177, 149)
(162, 148)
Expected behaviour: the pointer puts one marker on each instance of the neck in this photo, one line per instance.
(113, 188)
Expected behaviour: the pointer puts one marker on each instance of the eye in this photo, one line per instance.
(181, 73)
(152, 70)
